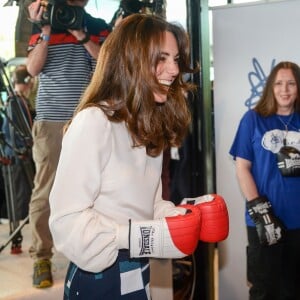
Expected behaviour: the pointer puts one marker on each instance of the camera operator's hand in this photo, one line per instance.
(79, 34)
(36, 10)
(37, 57)
(83, 38)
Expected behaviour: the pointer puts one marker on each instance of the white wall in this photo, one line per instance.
(247, 41)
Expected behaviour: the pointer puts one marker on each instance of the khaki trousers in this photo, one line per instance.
(47, 137)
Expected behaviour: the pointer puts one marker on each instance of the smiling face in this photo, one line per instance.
(285, 91)
(167, 68)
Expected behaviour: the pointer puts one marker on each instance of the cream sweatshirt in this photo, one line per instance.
(101, 182)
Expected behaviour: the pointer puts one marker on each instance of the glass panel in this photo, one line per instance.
(217, 2)
(104, 9)
(176, 11)
(8, 17)
(225, 2)
(243, 1)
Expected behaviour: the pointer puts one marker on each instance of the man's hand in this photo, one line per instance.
(35, 11)
(78, 34)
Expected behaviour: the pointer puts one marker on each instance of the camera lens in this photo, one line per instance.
(66, 16)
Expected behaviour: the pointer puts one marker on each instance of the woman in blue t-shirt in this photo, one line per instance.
(267, 153)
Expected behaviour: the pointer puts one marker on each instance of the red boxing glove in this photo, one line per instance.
(214, 217)
(170, 237)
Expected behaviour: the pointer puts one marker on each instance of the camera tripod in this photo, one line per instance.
(15, 151)
(8, 164)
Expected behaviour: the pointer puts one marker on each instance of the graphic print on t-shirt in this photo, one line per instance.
(273, 140)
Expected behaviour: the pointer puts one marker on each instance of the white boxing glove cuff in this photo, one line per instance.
(123, 236)
(152, 239)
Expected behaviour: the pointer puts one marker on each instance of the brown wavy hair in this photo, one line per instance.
(124, 83)
(267, 104)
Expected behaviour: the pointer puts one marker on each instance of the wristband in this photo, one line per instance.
(85, 40)
(43, 37)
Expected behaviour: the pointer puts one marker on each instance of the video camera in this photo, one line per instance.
(62, 16)
(129, 7)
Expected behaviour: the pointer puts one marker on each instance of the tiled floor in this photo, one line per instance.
(16, 271)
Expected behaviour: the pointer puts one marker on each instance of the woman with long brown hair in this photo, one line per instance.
(107, 212)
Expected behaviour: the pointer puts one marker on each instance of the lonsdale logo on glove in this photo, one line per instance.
(146, 242)
(170, 237)
(288, 161)
(261, 208)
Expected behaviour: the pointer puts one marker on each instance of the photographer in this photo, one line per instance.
(64, 60)
(16, 151)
